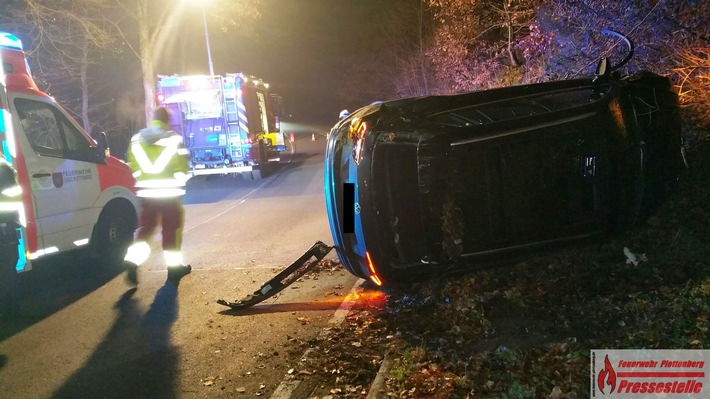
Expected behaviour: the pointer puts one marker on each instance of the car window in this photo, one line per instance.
(48, 131)
(462, 117)
(511, 109)
(482, 114)
(560, 100)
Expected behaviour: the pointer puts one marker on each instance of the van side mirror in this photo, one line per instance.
(102, 148)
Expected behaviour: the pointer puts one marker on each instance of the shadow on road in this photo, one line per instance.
(136, 358)
(50, 287)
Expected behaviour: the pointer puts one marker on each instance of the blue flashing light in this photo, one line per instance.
(22, 258)
(9, 40)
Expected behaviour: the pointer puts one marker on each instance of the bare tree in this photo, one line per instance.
(693, 79)
(475, 41)
(410, 39)
(671, 37)
(66, 34)
(153, 22)
(395, 62)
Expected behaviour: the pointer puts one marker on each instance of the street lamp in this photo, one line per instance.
(207, 40)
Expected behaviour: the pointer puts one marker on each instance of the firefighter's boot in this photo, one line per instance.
(175, 273)
(131, 272)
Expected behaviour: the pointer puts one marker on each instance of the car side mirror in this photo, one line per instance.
(603, 71)
(102, 149)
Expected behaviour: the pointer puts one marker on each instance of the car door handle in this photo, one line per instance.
(41, 175)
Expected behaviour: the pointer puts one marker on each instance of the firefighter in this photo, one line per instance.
(160, 163)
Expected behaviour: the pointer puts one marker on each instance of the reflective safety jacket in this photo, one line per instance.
(160, 162)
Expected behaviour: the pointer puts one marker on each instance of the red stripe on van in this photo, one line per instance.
(116, 173)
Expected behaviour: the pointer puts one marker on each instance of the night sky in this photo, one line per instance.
(296, 47)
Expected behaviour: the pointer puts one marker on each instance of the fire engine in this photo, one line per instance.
(64, 191)
(230, 124)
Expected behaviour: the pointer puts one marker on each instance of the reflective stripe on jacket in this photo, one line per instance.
(160, 162)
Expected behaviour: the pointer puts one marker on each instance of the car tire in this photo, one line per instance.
(114, 233)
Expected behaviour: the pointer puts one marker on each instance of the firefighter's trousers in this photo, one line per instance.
(169, 213)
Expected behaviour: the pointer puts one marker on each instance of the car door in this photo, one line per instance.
(539, 167)
(61, 166)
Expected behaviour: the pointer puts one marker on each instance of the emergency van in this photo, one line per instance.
(70, 193)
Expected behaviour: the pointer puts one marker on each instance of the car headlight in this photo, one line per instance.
(358, 131)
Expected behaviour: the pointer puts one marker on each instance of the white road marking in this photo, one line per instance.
(285, 389)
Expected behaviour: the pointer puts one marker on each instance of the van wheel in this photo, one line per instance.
(113, 234)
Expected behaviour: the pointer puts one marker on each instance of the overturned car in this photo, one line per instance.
(421, 186)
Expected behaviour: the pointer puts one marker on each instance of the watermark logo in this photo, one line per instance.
(607, 377)
(643, 373)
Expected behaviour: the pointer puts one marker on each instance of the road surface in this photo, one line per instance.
(82, 332)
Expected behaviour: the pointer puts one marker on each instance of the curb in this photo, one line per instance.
(378, 389)
(286, 388)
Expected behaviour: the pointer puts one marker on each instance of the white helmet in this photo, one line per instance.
(344, 114)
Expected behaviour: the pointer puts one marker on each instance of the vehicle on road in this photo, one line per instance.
(230, 124)
(64, 191)
(421, 186)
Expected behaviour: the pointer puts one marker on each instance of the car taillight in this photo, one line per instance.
(373, 273)
(358, 131)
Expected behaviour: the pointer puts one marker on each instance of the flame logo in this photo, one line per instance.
(607, 376)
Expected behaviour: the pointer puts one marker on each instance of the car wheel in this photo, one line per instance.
(114, 233)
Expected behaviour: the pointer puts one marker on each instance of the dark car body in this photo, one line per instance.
(417, 187)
